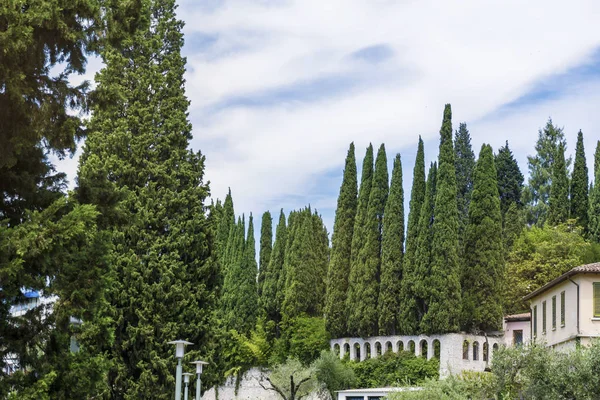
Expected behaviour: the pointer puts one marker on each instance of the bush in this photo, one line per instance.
(303, 338)
(469, 385)
(333, 373)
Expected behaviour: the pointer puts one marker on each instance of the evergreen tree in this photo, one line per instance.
(484, 263)
(362, 317)
(266, 247)
(464, 159)
(537, 193)
(558, 211)
(247, 309)
(137, 169)
(444, 300)
(407, 312)
(594, 212)
(359, 236)
(514, 223)
(580, 185)
(341, 245)
(273, 272)
(510, 179)
(392, 253)
(226, 221)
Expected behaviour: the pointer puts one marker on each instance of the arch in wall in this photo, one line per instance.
(494, 347)
(423, 346)
(388, 346)
(346, 349)
(378, 349)
(368, 350)
(400, 346)
(336, 350)
(466, 350)
(475, 351)
(411, 346)
(437, 348)
(356, 350)
(486, 351)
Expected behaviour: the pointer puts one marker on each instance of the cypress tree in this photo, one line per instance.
(594, 212)
(137, 156)
(266, 247)
(392, 253)
(414, 282)
(273, 272)
(226, 221)
(580, 185)
(484, 263)
(247, 289)
(514, 223)
(444, 300)
(558, 211)
(341, 245)
(510, 179)
(358, 237)
(464, 160)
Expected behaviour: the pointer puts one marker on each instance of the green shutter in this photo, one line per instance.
(597, 299)
(553, 312)
(534, 321)
(543, 317)
(562, 308)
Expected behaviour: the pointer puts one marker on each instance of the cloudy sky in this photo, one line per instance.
(279, 88)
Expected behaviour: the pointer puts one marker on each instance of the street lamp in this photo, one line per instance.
(199, 365)
(186, 381)
(179, 351)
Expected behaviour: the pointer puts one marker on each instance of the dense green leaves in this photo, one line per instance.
(270, 296)
(464, 160)
(594, 211)
(266, 247)
(558, 209)
(510, 179)
(580, 185)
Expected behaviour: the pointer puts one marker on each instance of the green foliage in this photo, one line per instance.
(394, 369)
(536, 195)
(594, 211)
(358, 241)
(270, 297)
(468, 385)
(538, 256)
(510, 179)
(514, 223)
(226, 222)
(483, 269)
(558, 209)
(333, 373)
(291, 380)
(266, 247)
(307, 338)
(443, 284)
(341, 247)
(392, 247)
(241, 352)
(580, 185)
(464, 162)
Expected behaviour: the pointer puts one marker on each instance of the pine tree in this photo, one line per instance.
(359, 236)
(273, 272)
(443, 307)
(537, 193)
(266, 247)
(580, 185)
(510, 179)
(341, 245)
(137, 169)
(407, 315)
(392, 253)
(484, 263)
(464, 160)
(558, 210)
(594, 212)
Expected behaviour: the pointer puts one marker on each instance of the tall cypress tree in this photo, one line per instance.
(484, 263)
(226, 221)
(392, 253)
(266, 247)
(594, 212)
(414, 285)
(363, 315)
(137, 156)
(359, 237)
(247, 289)
(558, 211)
(273, 272)
(464, 160)
(510, 179)
(444, 300)
(513, 225)
(580, 185)
(341, 245)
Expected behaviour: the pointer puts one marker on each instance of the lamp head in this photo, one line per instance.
(199, 365)
(179, 347)
(186, 377)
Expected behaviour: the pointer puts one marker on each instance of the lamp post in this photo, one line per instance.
(186, 381)
(179, 352)
(199, 365)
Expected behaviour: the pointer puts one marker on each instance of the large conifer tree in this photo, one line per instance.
(484, 264)
(464, 160)
(359, 237)
(558, 210)
(270, 285)
(510, 179)
(594, 212)
(341, 245)
(266, 247)
(580, 185)
(444, 301)
(392, 253)
(136, 167)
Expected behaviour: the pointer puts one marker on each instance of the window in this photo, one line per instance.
(562, 309)
(534, 321)
(553, 312)
(597, 299)
(518, 337)
(465, 350)
(475, 351)
(486, 351)
(543, 317)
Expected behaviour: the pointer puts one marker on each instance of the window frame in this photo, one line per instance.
(554, 312)
(596, 299)
(535, 321)
(544, 309)
(562, 308)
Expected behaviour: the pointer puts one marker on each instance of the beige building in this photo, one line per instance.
(566, 311)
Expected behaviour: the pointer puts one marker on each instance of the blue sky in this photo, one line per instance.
(279, 88)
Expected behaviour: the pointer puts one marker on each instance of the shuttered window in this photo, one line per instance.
(597, 299)
(562, 309)
(553, 312)
(534, 321)
(543, 317)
